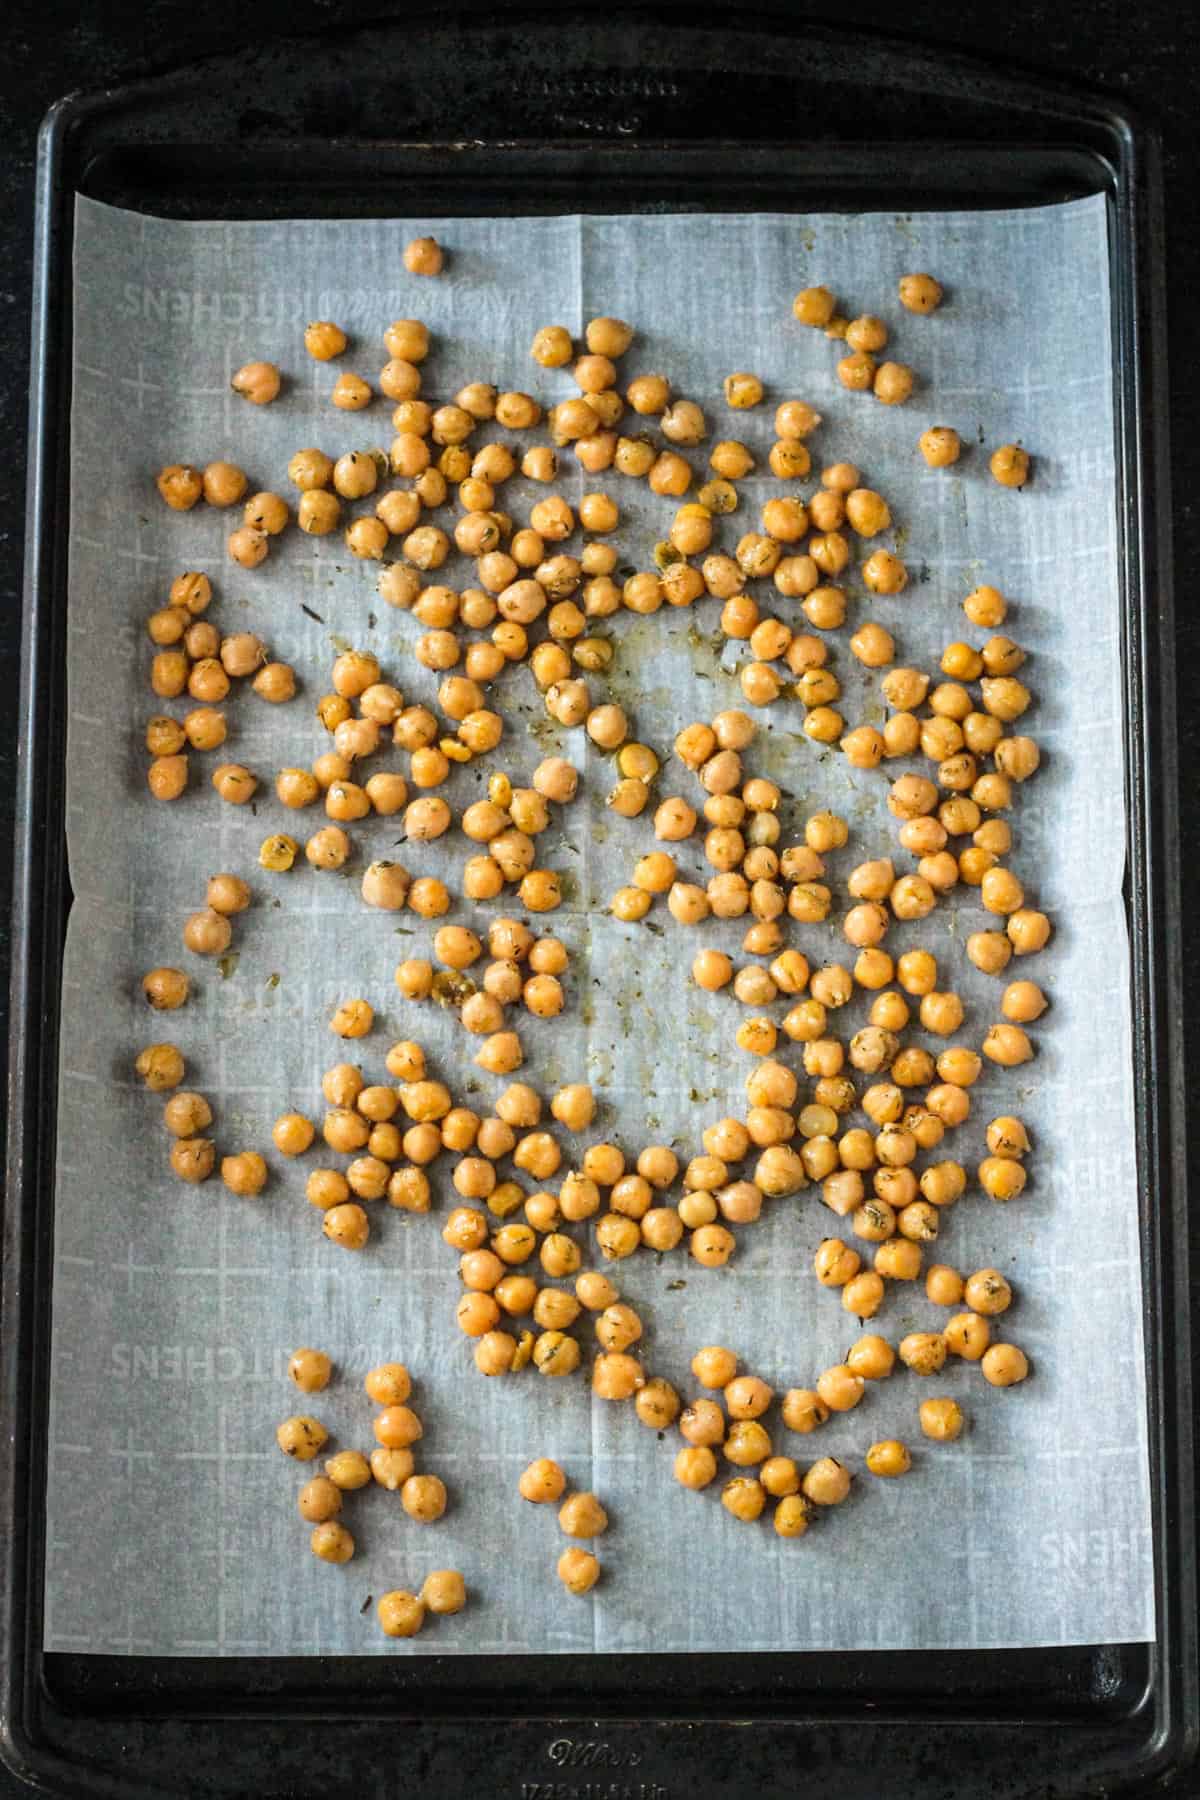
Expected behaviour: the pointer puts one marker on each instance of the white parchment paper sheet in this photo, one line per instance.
(172, 1522)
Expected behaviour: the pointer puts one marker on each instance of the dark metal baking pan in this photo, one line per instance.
(569, 112)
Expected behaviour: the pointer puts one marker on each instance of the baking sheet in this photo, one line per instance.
(172, 1525)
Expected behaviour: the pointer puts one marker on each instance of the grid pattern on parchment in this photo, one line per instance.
(172, 1525)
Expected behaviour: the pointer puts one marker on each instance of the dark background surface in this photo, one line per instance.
(1149, 59)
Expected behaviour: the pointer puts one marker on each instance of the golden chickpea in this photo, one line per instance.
(400, 1614)
(258, 382)
(165, 989)
(423, 1498)
(332, 1543)
(1007, 1136)
(814, 306)
(1002, 1177)
(167, 777)
(702, 1423)
(872, 1357)
(180, 486)
(827, 1482)
(161, 1067)
(245, 1173)
(940, 445)
(224, 483)
(615, 1375)
(170, 674)
(207, 933)
(349, 1470)
(292, 1134)
(424, 256)
(301, 1437)
(319, 1500)
(193, 1159)
(444, 1592)
(1007, 1045)
(1010, 466)
(898, 1259)
(168, 625)
(748, 1443)
(889, 1458)
(792, 1515)
(248, 547)
(857, 371)
(744, 1497)
(968, 1335)
(863, 1294)
(495, 1353)
(712, 1245)
(924, 1352)
(840, 1388)
(578, 1570)
(324, 340)
(582, 1516)
(1004, 1365)
(347, 1226)
(165, 736)
(920, 293)
(747, 1397)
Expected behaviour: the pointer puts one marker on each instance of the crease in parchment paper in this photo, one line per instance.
(171, 1515)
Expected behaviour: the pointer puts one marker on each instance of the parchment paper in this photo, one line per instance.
(172, 1521)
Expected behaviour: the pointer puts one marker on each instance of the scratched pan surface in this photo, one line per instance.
(579, 118)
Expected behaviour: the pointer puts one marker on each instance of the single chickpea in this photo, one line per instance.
(863, 1294)
(1004, 1365)
(967, 1335)
(1007, 1045)
(400, 1614)
(1010, 466)
(857, 371)
(889, 1458)
(814, 306)
(840, 1388)
(319, 1500)
(349, 1470)
(657, 1404)
(872, 1357)
(827, 1482)
(166, 989)
(193, 1159)
(940, 445)
(582, 1516)
(301, 1437)
(245, 1173)
(180, 486)
(1007, 1136)
(207, 933)
(578, 1570)
(332, 1543)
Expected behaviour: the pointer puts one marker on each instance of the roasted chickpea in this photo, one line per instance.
(1010, 466)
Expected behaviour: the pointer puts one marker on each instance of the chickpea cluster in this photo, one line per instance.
(860, 370)
(187, 1115)
(390, 1465)
(505, 825)
(581, 1516)
(193, 661)
(481, 975)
